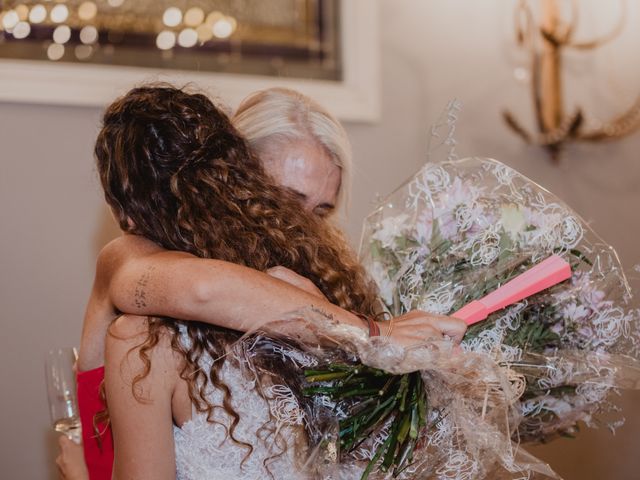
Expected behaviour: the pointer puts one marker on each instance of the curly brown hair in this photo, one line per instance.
(176, 171)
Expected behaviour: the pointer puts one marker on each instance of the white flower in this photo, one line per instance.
(533, 217)
(512, 219)
(457, 208)
(440, 300)
(557, 406)
(391, 228)
(381, 276)
(588, 294)
(575, 312)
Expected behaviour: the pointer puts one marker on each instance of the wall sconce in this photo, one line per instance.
(545, 41)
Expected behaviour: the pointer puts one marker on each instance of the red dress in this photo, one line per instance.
(98, 448)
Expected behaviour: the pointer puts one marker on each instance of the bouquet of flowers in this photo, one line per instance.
(454, 232)
(459, 229)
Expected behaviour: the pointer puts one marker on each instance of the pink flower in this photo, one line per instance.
(457, 208)
(424, 227)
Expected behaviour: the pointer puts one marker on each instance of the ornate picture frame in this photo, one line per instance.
(354, 97)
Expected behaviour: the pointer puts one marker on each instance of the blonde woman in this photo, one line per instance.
(299, 143)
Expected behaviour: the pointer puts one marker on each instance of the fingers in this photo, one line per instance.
(60, 459)
(70, 461)
(60, 470)
(64, 442)
(452, 327)
(277, 271)
(291, 277)
(418, 324)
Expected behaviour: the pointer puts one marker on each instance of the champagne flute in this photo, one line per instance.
(61, 392)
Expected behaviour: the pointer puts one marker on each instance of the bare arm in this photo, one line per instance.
(141, 279)
(142, 427)
(241, 298)
(137, 277)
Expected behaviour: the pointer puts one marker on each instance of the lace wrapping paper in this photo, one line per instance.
(471, 415)
(458, 229)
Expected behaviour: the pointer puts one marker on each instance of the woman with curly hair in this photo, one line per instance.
(176, 172)
(307, 151)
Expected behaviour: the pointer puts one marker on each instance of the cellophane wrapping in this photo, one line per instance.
(459, 229)
(454, 232)
(469, 419)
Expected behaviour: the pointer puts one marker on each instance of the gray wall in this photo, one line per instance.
(54, 222)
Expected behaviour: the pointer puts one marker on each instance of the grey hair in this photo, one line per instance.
(282, 115)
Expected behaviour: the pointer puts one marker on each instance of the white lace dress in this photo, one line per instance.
(204, 450)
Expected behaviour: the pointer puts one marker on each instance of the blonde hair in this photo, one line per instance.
(279, 115)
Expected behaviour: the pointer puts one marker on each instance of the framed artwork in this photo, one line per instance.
(87, 52)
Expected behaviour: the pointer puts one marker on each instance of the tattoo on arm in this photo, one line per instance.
(140, 293)
(325, 314)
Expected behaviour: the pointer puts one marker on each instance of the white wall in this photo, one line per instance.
(53, 221)
(436, 50)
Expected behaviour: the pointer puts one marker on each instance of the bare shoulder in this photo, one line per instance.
(126, 245)
(130, 248)
(119, 251)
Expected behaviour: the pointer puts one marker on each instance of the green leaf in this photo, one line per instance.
(381, 449)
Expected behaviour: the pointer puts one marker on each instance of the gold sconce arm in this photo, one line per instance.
(546, 41)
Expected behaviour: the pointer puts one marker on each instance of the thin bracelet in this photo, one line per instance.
(389, 322)
(390, 329)
(374, 329)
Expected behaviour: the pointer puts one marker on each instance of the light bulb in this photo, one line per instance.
(166, 40)
(172, 17)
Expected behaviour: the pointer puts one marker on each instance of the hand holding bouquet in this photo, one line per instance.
(455, 232)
